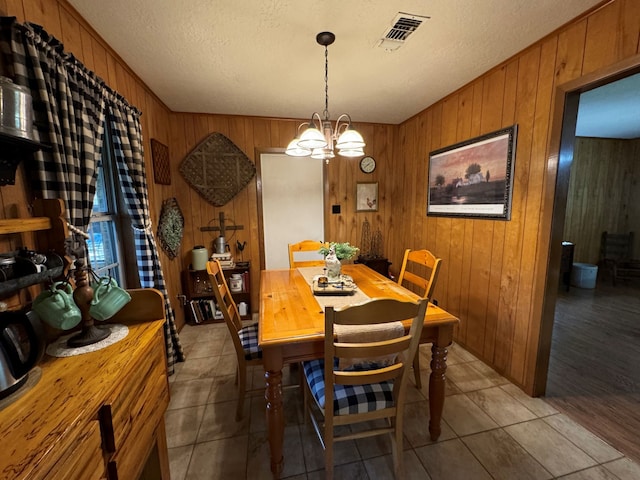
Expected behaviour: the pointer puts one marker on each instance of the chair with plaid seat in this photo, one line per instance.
(245, 338)
(362, 378)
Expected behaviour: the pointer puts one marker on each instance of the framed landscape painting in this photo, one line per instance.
(474, 178)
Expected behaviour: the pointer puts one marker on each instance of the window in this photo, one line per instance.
(105, 238)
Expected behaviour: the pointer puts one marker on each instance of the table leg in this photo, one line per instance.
(436, 388)
(275, 418)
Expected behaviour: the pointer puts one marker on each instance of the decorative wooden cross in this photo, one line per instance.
(222, 228)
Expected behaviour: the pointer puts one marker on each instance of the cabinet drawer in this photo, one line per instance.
(117, 416)
(130, 420)
(149, 412)
(84, 461)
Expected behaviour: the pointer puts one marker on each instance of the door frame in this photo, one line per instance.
(325, 197)
(559, 161)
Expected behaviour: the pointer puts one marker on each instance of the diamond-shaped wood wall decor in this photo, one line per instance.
(160, 157)
(217, 169)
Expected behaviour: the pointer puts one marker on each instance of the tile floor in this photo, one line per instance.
(490, 430)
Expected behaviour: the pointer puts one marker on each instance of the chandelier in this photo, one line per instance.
(318, 138)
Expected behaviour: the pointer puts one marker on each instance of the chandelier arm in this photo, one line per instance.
(303, 124)
(345, 125)
(312, 122)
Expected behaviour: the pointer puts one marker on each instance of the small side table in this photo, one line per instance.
(380, 265)
(566, 264)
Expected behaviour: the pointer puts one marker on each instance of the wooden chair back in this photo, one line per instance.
(616, 246)
(225, 301)
(372, 312)
(420, 269)
(305, 246)
(404, 348)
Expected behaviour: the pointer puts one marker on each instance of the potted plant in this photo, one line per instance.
(344, 251)
(333, 256)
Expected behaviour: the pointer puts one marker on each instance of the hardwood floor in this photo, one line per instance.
(594, 371)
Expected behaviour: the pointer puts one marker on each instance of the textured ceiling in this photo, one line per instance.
(260, 57)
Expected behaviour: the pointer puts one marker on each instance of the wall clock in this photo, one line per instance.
(367, 164)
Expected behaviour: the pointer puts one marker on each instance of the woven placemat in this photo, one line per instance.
(217, 169)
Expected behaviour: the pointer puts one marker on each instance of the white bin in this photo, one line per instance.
(584, 275)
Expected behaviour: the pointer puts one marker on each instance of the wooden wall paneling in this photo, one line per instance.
(482, 253)
(600, 193)
(428, 233)
(527, 332)
(384, 146)
(409, 189)
(258, 133)
(250, 233)
(87, 49)
(191, 210)
(525, 101)
(203, 212)
(601, 46)
(570, 52)
(12, 8)
(467, 250)
(112, 77)
(482, 230)
(395, 222)
(71, 34)
(629, 38)
(499, 228)
(101, 65)
(45, 13)
(449, 136)
(517, 313)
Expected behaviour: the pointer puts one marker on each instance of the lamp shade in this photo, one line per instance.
(350, 139)
(294, 150)
(351, 152)
(312, 138)
(322, 153)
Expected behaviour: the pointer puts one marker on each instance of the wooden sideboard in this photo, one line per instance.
(98, 415)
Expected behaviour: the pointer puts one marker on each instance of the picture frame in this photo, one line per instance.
(474, 178)
(367, 197)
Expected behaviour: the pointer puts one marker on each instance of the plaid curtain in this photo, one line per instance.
(70, 106)
(68, 115)
(126, 133)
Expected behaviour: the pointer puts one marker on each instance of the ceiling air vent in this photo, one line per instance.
(402, 26)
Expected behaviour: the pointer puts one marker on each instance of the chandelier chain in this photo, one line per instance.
(326, 83)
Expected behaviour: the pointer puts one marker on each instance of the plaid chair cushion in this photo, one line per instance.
(348, 399)
(249, 340)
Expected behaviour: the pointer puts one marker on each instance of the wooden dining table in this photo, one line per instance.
(291, 329)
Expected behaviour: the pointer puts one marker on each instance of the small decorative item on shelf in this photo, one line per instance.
(334, 254)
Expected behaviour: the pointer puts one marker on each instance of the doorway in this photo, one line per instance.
(593, 349)
(291, 204)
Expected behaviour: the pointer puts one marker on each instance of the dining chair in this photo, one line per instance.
(305, 246)
(616, 256)
(421, 275)
(363, 375)
(245, 338)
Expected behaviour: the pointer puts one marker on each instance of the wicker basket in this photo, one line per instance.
(217, 169)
